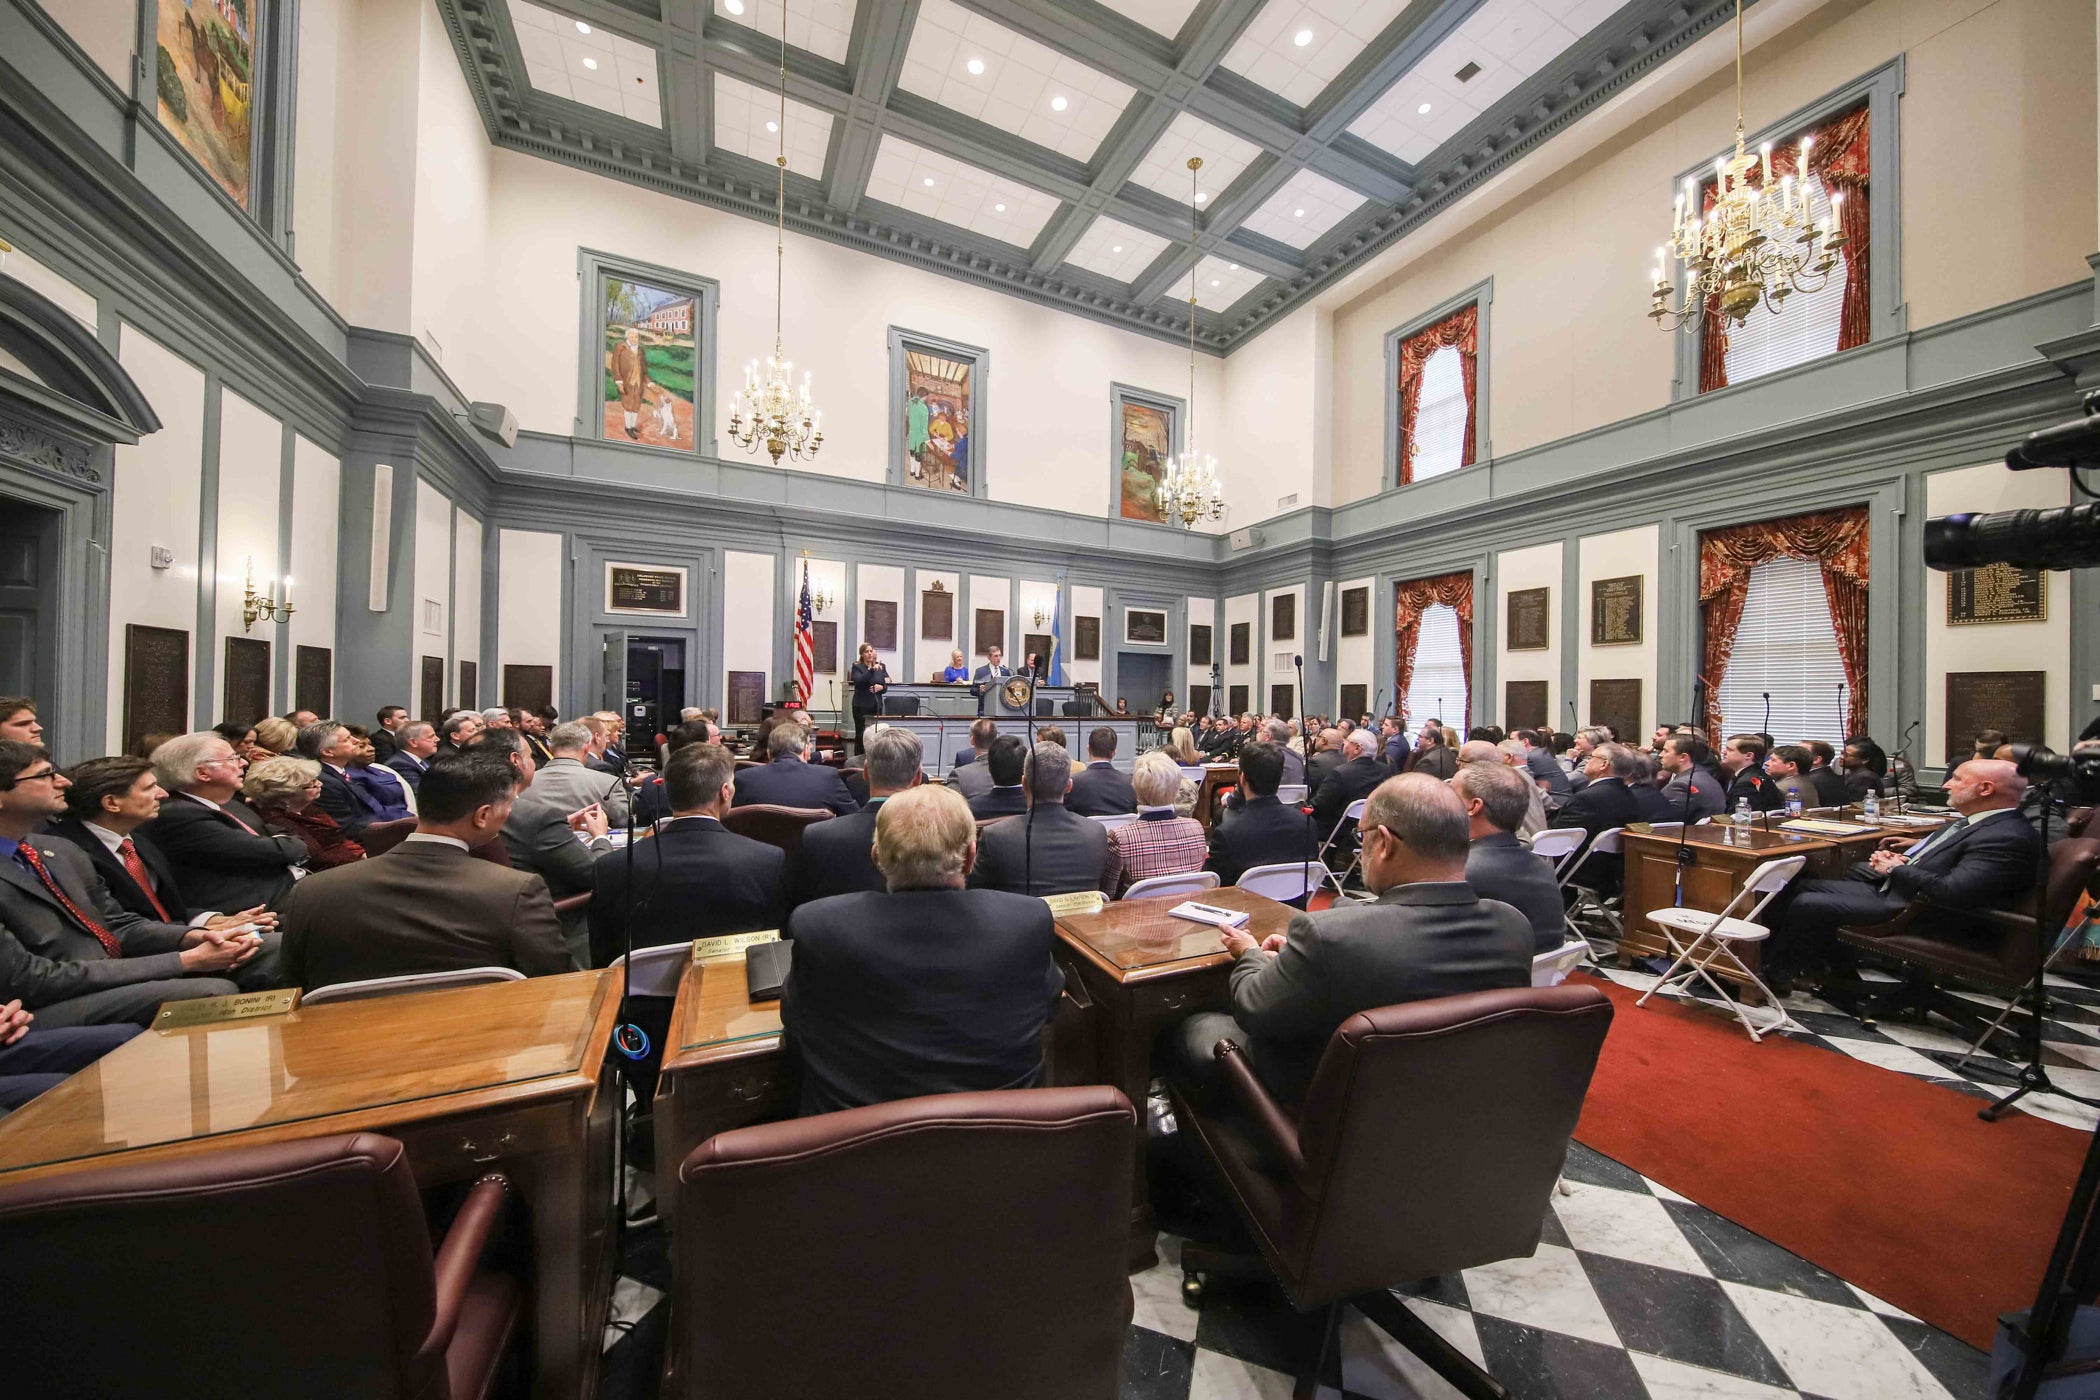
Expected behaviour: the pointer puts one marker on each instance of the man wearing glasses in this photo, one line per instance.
(223, 854)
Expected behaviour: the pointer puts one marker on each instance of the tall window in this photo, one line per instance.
(1807, 327)
(1442, 415)
(1438, 686)
(1436, 394)
(1787, 646)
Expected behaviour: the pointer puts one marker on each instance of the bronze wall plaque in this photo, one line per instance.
(1618, 704)
(313, 679)
(1996, 593)
(824, 647)
(1199, 699)
(1240, 645)
(2014, 702)
(1236, 700)
(878, 623)
(1144, 627)
(156, 683)
(632, 588)
(528, 687)
(1283, 617)
(1615, 610)
(937, 614)
(1086, 639)
(1199, 644)
(1280, 700)
(1530, 620)
(1039, 644)
(747, 696)
(1356, 612)
(1356, 699)
(433, 696)
(1524, 703)
(990, 631)
(470, 685)
(246, 688)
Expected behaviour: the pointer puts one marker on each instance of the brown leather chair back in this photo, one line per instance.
(1433, 1133)
(776, 826)
(381, 837)
(314, 1254)
(964, 1245)
(2073, 864)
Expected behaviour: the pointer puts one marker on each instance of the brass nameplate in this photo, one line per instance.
(724, 945)
(1082, 902)
(240, 1007)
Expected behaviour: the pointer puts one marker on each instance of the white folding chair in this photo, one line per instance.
(1291, 794)
(1713, 939)
(1587, 899)
(1285, 880)
(1353, 813)
(409, 982)
(1189, 882)
(1556, 843)
(1193, 772)
(657, 969)
(1550, 969)
(1116, 819)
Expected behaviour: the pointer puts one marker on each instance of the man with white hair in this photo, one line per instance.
(223, 855)
(1048, 849)
(1359, 775)
(1511, 753)
(567, 783)
(1498, 799)
(1278, 732)
(930, 988)
(838, 856)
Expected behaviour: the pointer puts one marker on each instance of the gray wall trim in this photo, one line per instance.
(901, 342)
(592, 267)
(1174, 407)
(204, 697)
(282, 678)
(1481, 294)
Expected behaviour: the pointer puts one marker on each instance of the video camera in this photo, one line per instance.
(2065, 537)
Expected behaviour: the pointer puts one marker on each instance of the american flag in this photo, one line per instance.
(805, 642)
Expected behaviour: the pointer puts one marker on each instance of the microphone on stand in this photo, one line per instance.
(1844, 719)
(1766, 729)
(1312, 832)
(1684, 826)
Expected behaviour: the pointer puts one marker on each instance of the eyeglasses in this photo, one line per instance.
(34, 777)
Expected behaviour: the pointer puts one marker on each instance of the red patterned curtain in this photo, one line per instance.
(1839, 159)
(1836, 539)
(1416, 598)
(1462, 329)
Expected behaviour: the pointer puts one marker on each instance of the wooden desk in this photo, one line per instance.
(722, 1066)
(1720, 863)
(504, 1077)
(1143, 969)
(1218, 778)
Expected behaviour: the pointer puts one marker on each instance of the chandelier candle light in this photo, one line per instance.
(774, 411)
(1756, 245)
(1188, 487)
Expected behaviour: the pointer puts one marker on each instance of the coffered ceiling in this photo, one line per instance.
(1041, 147)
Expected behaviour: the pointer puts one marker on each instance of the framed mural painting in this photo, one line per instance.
(937, 403)
(204, 71)
(648, 360)
(1144, 431)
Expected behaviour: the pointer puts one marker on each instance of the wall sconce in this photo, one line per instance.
(1042, 619)
(264, 606)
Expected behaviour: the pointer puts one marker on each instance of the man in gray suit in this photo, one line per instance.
(973, 778)
(1540, 762)
(1498, 865)
(1427, 935)
(547, 838)
(988, 678)
(568, 784)
(1049, 849)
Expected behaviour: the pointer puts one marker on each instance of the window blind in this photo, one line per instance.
(1440, 416)
(1438, 686)
(1786, 645)
(1806, 326)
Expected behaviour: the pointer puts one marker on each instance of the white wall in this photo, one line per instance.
(316, 505)
(1244, 608)
(1270, 426)
(879, 583)
(251, 456)
(987, 592)
(1029, 595)
(1203, 612)
(528, 603)
(372, 234)
(1086, 602)
(929, 655)
(747, 620)
(1998, 646)
(1515, 571)
(1616, 555)
(106, 29)
(1355, 658)
(452, 207)
(430, 630)
(466, 609)
(323, 37)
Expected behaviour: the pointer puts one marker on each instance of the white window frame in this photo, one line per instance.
(1779, 648)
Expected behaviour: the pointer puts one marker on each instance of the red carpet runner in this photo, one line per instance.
(1887, 1181)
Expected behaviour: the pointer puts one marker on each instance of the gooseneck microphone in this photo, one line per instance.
(1312, 831)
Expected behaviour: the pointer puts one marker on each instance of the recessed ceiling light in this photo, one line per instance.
(976, 67)
(1423, 110)
(998, 209)
(772, 126)
(929, 182)
(1233, 267)
(591, 63)
(1214, 281)
(1302, 38)
(735, 7)
(1117, 249)
(1297, 213)
(582, 28)
(1201, 196)
(1058, 104)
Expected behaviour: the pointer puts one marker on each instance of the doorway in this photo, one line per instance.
(29, 543)
(1141, 678)
(656, 689)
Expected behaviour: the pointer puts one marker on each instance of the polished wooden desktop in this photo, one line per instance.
(504, 1077)
(722, 1066)
(1142, 969)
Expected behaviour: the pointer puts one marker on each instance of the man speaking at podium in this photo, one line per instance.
(989, 677)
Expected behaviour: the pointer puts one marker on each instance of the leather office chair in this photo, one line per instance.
(848, 1254)
(316, 1252)
(774, 825)
(1429, 1142)
(381, 837)
(1077, 709)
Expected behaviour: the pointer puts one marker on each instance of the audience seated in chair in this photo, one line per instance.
(1098, 790)
(415, 746)
(540, 835)
(285, 793)
(385, 791)
(1498, 865)
(1787, 767)
(1252, 827)
(930, 988)
(788, 779)
(1003, 795)
(837, 856)
(1048, 849)
(1426, 935)
(1160, 841)
(1691, 793)
(568, 783)
(1357, 776)
(968, 774)
(426, 905)
(107, 801)
(330, 743)
(1606, 799)
(222, 855)
(650, 803)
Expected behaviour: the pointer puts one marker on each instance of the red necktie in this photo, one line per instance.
(129, 854)
(227, 813)
(102, 935)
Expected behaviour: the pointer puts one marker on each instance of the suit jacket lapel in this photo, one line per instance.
(19, 875)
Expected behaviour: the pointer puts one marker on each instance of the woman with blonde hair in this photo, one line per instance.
(273, 736)
(1181, 747)
(1161, 841)
(282, 790)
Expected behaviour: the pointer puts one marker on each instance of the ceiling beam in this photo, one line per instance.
(881, 35)
(686, 90)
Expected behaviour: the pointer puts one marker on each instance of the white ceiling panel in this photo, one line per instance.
(1307, 206)
(1507, 41)
(569, 58)
(1295, 48)
(1165, 167)
(1219, 283)
(943, 188)
(821, 27)
(988, 72)
(1160, 16)
(1116, 250)
(747, 119)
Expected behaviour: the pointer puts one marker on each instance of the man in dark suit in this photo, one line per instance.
(987, 679)
(651, 803)
(1326, 747)
(426, 905)
(1256, 829)
(696, 877)
(79, 957)
(1742, 769)
(329, 743)
(1692, 792)
(837, 856)
(1004, 798)
(968, 775)
(34, 1060)
(386, 792)
(222, 854)
(1358, 775)
(1606, 800)
(790, 780)
(1648, 800)
(1498, 865)
(385, 741)
(414, 746)
(1824, 776)
(931, 988)
(1984, 860)
(1049, 849)
(1098, 790)
(1427, 935)
(1541, 764)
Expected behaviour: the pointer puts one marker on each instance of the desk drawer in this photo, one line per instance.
(1171, 997)
(454, 1149)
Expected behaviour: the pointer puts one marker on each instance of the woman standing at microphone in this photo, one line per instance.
(870, 679)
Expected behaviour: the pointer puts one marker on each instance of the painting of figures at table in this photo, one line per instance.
(937, 421)
(1147, 441)
(204, 75)
(649, 363)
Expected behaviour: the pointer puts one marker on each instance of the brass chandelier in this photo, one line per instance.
(774, 411)
(1188, 489)
(1755, 246)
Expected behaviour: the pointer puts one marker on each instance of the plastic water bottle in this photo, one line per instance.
(1872, 805)
(1793, 804)
(1742, 821)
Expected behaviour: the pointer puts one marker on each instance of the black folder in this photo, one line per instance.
(766, 969)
